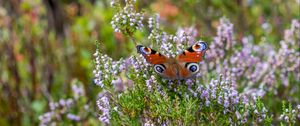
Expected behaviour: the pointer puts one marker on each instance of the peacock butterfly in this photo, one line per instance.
(183, 66)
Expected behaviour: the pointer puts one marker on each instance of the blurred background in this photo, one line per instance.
(46, 45)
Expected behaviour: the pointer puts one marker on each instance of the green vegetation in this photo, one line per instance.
(49, 75)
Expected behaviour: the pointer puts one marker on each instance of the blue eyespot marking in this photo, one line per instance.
(200, 46)
(193, 68)
(159, 68)
(145, 50)
(203, 46)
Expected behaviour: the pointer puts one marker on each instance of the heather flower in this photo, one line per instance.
(148, 123)
(267, 27)
(104, 107)
(223, 39)
(64, 107)
(289, 115)
(46, 118)
(238, 115)
(151, 83)
(250, 63)
(187, 35)
(153, 22)
(170, 45)
(157, 35)
(139, 64)
(207, 102)
(189, 82)
(106, 69)
(121, 84)
(249, 71)
(291, 35)
(127, 20)
(77, 90)
(204, 94)
(73, 117)
(113, 3)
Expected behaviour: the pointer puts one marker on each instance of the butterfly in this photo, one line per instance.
(183, 66)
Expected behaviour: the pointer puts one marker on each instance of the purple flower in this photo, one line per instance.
(189, 82)
(204, 94)
(127, 17)
(238, 115)
(220, 99)
(226, 103)
(77, 90)
(207, 102)
(245, 99)
(149, 83)
(73, 117)
(104, 107)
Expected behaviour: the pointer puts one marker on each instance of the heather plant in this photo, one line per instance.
(289, 115)
(50, 73)
(235, 81)
(74, 109)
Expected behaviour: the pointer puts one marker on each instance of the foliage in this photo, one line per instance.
(48, 75)
(246, 74)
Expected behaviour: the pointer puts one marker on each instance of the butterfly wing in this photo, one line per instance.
(188, 60)
(194, 53)
(151, 56)
(162, 64)
(182, 67)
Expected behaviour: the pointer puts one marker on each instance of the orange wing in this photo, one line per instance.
(194, 53)
(152, 56)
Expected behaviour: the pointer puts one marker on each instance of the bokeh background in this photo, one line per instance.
(47, 45)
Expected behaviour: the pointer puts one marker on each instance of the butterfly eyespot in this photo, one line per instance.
(143, 50)
(159, 68)
(200, 46)
(193, 67)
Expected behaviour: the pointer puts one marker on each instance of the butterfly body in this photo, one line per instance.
(181, 67)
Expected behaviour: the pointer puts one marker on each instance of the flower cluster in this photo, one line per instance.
(290, 115)
(153, 23)
(259, 64)
(222, 92)
(127, 20)
(156, 35)
(223, 42)
(292, 35)
(106, 69)
(64, 108)
(248, 71)
(170, 45)
(287, 59)
(150, 83)
(57, 109)
(78, 91)
(103, 105)
(121, 84)
(187, 35)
